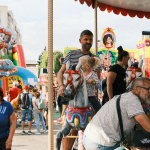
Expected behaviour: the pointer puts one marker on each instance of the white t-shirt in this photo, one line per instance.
(42, 95)
(104, 127)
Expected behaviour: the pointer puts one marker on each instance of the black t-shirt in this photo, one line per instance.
(119, 85)
(20, 87)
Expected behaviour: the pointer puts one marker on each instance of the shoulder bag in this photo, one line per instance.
(124, 141)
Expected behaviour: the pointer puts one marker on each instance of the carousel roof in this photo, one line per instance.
(139, 8)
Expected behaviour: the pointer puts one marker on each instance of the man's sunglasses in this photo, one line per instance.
(144, 88)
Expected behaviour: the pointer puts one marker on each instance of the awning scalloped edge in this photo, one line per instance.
(117, 10)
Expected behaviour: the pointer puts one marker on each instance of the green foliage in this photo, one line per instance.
(56, 64)
(43, 60)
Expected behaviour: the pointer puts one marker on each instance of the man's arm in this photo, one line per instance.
(144, 121)
(8, 98)
(60, 79)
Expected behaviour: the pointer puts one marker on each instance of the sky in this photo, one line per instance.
(70, 18)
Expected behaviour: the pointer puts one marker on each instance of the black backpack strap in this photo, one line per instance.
(120, 117)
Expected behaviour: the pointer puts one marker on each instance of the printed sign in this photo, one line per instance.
(108, 38)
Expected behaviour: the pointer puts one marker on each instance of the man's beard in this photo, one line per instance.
(147, 100)
(144, 101)
(86, 47)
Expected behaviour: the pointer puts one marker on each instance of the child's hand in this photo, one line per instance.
(90, 81)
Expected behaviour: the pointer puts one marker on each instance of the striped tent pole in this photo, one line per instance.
(50, 75)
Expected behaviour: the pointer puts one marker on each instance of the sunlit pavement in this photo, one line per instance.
(33, 142)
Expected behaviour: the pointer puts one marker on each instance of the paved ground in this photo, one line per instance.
(33, 142)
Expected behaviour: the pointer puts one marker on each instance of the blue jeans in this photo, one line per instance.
(39, 117)
(91, 145)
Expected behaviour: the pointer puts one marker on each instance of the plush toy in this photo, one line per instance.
(16, 102)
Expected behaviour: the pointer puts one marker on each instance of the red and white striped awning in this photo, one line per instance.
(139, 8)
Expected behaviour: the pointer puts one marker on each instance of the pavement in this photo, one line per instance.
(33, 141)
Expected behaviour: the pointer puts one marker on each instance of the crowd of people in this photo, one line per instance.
(103, 132)
(29, 100)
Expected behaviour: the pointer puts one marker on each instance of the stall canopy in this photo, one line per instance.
(139, 8)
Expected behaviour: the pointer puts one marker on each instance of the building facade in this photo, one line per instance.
(32, 66)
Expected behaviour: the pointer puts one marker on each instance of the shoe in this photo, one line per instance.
(29, 132)
(59, 120)
(23, 132)
(45, 131)
(37, 133)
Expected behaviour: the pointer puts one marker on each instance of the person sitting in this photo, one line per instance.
(103, 131)
(88, 63)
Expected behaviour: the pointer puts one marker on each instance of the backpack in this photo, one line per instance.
(41, 104)
(25, 101)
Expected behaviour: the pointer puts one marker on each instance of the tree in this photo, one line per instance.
(56, 63)
(43, 60)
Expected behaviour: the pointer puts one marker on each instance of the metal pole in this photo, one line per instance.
(50, 75)
(96, 49)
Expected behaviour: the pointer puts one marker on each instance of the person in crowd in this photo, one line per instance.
(31, 89)
(58, 105)
(88, 63)
(38, 114)
(6, 96)
(103, 131)
(108, 40)
(13, 92)
(46, 110)
(7, 123)
(42, 95)
(116, 83)
(34, 87)
(86, 40)
(19, 85)
(26, 111)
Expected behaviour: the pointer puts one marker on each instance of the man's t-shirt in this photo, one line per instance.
(14, 93)
(6, 111)
(74, 55)
(104, 127)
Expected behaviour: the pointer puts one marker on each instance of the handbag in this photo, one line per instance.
(41, 104)
(124, 141)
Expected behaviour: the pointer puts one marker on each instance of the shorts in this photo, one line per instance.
(24, 112)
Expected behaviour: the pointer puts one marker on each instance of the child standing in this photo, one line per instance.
(88, 64)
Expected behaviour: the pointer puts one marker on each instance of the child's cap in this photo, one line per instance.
(26, 87)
